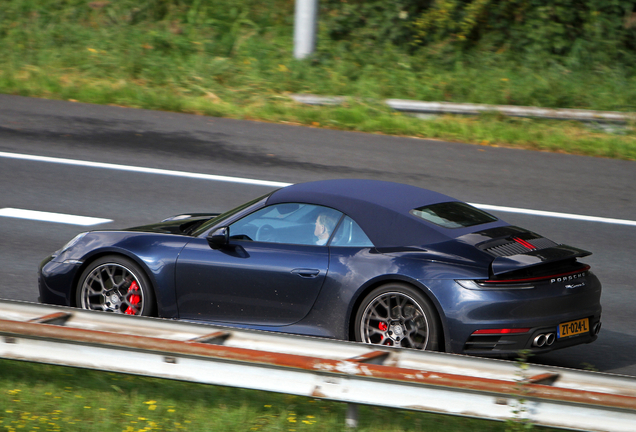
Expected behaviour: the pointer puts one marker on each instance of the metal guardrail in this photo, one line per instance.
(337, 370)
(431, 108)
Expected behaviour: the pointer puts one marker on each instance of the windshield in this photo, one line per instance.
(228, 214)
(453, 215)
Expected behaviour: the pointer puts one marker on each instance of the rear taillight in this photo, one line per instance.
(488, 285)
(524, 282)
(501, 331)
(581, 270)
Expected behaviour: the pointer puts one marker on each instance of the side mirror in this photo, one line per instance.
(219, 238)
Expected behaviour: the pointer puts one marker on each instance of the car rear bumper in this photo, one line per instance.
(537, 340)
(473, 318)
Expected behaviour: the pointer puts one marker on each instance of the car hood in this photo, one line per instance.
(183, 224)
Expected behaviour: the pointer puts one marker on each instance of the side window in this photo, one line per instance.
(349, 233)
(290, 223)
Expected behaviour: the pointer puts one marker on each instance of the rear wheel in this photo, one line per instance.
(398, 315)
(115, 284)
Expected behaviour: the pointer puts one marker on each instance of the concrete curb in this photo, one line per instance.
(431, 108)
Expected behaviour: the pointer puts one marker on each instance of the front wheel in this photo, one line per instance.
(115, 284)
(398, 315)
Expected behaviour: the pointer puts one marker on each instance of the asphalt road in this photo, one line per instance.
(287, 153)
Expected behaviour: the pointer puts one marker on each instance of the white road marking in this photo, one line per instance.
(555, 214)
(131, 168)
(256, 182)
(51, 217)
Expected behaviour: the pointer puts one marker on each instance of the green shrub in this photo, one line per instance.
(569, 31)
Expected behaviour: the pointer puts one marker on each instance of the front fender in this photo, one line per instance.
(155, 253)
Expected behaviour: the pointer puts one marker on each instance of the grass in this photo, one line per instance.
(38, 397)
(487, 129)
(236, 62)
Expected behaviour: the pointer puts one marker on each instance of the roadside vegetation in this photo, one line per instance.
(233, 58)
(56, 398)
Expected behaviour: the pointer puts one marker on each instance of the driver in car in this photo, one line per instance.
(324, 226)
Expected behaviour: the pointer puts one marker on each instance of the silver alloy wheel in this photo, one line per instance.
(395, 319)
(111, 287)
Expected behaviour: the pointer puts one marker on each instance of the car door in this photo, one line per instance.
(269, 274)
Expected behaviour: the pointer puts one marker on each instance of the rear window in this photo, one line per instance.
(453, 215)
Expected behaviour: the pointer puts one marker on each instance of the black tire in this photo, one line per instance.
(115, 284)
(398, 315)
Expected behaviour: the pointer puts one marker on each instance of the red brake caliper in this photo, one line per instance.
(133, 298)
(383, 327)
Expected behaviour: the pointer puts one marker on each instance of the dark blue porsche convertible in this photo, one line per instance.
(364, 260)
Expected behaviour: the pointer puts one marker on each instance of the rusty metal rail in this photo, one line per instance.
(336, 370)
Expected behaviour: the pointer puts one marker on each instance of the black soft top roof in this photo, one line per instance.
(381, 208)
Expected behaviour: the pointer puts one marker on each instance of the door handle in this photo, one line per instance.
(306, 273)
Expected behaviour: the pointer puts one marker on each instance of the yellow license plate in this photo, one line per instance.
(572, 328)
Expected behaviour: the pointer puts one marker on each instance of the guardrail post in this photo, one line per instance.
(305, 27)
(352, 416)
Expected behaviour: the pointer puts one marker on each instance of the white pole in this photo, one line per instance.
(305, 27)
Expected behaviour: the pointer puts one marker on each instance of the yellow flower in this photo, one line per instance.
(93, 50)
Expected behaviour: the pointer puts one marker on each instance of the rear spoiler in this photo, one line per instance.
(506, 264)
